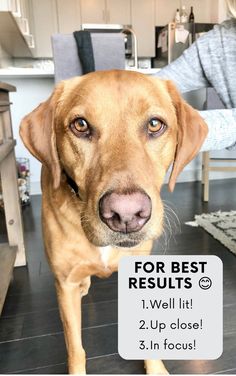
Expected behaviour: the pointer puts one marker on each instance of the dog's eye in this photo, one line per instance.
(80, 127)
(156, 127)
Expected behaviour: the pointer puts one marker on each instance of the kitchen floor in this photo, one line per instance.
(31, 337)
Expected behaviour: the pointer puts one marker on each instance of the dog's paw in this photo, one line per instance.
(77, 370)
(77, 364)
(155, 367)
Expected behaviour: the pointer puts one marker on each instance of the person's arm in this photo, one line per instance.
(221, 123)
(201, 66)
(221, 129)
(186, 71)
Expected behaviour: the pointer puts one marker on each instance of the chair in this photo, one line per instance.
(213, 102)
(108, 50)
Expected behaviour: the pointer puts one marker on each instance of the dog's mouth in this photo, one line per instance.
(119, 240)
(127, 244)
(102, 236)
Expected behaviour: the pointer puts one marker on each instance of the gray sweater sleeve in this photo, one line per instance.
(186, 71)
(211, 62)
(221, 129)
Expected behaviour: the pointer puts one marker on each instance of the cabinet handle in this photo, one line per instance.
(30, 40)
(25, 24)
(108, 16)
(104, 15)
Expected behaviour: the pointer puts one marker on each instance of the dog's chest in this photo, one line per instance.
(105, 253)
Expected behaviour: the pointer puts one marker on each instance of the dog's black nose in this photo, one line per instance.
(125, 212)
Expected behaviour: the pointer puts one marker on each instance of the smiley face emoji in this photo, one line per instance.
(205, 283)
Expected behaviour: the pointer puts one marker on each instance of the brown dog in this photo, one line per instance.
(105, 140)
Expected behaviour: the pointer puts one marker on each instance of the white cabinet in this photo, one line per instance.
(93, 11)
(222, 12)
(202, 9)
(206, 11)
(25, 16)
(19, 9)
(165, 11)
(211, 11)
(45, 24)
(69, 17)
(143, 23)
(106, 11)
(18, 24)
(118, 12)
(13, 6)
(53, 16)
(24, 22)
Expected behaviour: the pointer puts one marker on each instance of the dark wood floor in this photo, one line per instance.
(31, 337)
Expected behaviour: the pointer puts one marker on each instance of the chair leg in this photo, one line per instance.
(205, 175)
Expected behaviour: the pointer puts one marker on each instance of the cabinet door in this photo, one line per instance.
(165, 11)
(45, 24)
(118, 12)
(143, 23)
(93, 11)
(69, 18)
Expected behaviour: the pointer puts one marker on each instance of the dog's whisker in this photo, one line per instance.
(173, 217)
(169, 228)
(167, 206)
(163, 242)
(171, 225)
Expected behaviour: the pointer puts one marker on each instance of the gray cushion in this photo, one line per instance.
(108, 49)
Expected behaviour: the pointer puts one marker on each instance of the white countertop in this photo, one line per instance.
(149, 71)
(12, 72)
(26, 72)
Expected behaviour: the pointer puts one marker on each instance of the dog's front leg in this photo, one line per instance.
(69, 298)
(155, 367)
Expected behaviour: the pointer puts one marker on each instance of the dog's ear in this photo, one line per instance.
(192, 131)
(38, 134)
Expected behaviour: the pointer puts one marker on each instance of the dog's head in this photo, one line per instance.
(115, 133)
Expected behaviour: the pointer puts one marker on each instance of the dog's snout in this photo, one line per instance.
(125, 212)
